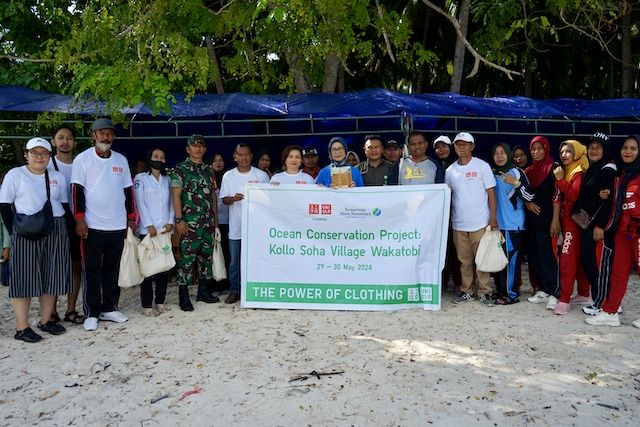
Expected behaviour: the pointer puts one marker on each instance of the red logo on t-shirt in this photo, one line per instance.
(314, 208)
(117, 169)
(326, 209)
(471, 174)
(53, 181)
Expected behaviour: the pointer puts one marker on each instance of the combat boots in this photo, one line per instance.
(183, 298)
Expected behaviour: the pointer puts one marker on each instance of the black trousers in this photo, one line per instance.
(543, 261)
(101, 252)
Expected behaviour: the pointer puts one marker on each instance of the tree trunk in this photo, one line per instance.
(341, 79)
(300, 80)
(331, 65)
(422, 74)
(458, 60)
(627, 69)
(211, 50)
(18, 150)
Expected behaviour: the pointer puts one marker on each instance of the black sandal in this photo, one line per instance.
(507, 301)
(74, 317)
(27, 335)
(52, 328)
(55, 317)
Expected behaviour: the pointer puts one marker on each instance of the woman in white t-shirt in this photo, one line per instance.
(39, 268)
(291, 164)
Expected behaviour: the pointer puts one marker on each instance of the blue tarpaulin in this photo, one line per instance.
(374, 102)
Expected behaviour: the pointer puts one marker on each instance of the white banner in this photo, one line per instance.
(370, 248)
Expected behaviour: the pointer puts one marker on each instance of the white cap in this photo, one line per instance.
(464, 136)
(38, 142)
(442, 138)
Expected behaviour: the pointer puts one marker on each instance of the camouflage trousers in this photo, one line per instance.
(197, 245)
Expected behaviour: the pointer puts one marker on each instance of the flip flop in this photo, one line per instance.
(74, 317)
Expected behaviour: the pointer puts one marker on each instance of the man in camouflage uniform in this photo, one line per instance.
(196, 220)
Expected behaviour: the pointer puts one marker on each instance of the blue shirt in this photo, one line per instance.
(510, 207)
(324, 177)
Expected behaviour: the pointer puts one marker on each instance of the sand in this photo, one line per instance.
(225, 365)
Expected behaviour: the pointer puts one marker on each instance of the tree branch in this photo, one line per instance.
(221, 9)
(384, 33)
(25, 59)
(476, 56)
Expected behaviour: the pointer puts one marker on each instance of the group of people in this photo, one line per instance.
(577, 221)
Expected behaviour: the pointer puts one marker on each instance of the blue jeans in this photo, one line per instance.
(234, 265)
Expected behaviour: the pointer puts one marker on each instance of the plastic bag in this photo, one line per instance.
(130, 274)
(218, 265)
(490, 257)
(155, 254)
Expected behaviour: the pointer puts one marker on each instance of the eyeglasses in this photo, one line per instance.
(39, 154)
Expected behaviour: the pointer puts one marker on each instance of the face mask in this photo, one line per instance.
(157, 164)
(103, 147)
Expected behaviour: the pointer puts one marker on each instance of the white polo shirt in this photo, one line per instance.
(234, 181)
(28, 191)
(104, 181)
(153, 201)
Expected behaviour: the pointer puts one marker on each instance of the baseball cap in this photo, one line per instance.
(196, 138)
(38, 142)
(392, 142)
(102, 123)
(600, 137)
(442, 138)
(309, 151)
(464, 136)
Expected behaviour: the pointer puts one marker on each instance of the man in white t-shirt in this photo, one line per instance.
(102, 194)
(473, 207)
(64, 141)
(232, 192)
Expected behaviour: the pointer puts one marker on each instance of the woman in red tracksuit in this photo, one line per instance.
(568, 181)
(625, 225)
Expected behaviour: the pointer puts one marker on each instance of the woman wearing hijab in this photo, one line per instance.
(625, 227)
(152, 194)
(593, 248)
(512, 190)
(543, 262)
(338, 157)
(521, 157)
(573, 156)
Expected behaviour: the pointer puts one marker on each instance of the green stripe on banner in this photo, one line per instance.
(342, 294)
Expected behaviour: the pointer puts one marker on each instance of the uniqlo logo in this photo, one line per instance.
(117, 169)
(326, 209)
(314, 209)
(471, 174)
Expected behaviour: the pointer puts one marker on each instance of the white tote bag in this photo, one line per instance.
(155, 254)
(130, 274)
(218, 267)
(490, 257)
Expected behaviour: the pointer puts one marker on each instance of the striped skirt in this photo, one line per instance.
(40, 267)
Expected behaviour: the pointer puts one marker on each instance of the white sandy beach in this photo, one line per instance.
(224, 365)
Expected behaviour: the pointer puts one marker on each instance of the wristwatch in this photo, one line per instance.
(178, 220)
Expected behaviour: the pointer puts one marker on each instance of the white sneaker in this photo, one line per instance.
(636, 323)
(551, 304)
(591, 310)
(539, 297)
(114, 316)
(90, 324)
(604, 319)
